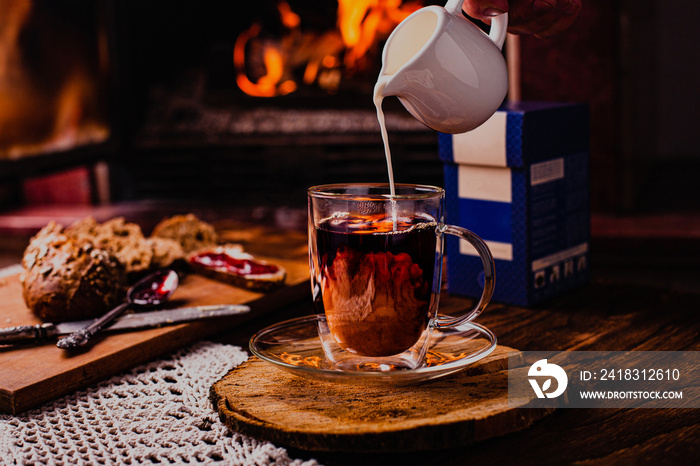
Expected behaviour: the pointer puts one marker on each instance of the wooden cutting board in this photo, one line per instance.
(32, 375)
(263, 401)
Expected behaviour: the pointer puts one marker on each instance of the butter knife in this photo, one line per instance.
(138, 320)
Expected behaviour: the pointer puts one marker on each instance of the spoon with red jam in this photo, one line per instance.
(150, 291)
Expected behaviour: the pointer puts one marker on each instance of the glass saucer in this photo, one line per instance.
(294, 345)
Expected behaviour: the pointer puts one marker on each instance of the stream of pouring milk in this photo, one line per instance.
(378, 98)
(411, 37)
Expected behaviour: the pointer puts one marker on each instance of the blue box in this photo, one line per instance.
(521, 182)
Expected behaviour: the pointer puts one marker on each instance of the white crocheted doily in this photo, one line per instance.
(159, 413)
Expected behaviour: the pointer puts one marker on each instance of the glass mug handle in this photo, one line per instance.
(489, 276)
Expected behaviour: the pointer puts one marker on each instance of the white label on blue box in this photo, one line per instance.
(547, 171)
(485, 183)
(561, 256)
(499, 250)
(485, 145)
(485, 199)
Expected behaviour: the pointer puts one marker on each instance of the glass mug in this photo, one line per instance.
(376, 272)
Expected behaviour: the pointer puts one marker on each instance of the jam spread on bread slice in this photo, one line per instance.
(232, 265)
(240, 266)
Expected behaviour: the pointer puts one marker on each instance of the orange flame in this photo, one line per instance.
(272, 82)
(44, 111)
(322, 57)
(363, 23)
(289, 18)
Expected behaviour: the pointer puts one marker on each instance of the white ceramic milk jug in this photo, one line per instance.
(446, 71)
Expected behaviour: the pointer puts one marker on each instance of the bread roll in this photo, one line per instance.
(66, 279)
(191, 232)
(122, 239)
(166, 252)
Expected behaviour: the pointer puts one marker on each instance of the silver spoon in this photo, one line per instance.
(150, 291)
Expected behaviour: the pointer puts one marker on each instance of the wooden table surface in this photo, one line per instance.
(602, 316)
(605, 315)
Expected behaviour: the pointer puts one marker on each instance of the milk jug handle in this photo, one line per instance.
(499, 29)
(499, 24)
(454, 7)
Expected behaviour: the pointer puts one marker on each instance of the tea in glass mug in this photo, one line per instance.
(376, 269)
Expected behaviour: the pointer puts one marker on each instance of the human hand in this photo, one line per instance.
(543, 18)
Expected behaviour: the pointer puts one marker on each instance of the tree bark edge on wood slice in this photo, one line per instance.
(262, 401)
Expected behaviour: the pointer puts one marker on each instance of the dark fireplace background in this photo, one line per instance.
(187, 132)
(181, 130)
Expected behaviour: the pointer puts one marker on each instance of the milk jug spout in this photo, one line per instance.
(446, 72)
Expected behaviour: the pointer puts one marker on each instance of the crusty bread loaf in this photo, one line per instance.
(67, 279)
(127, 243)
(229, 264)
(82, 271)
(188, 230)
(121, 238)
(165, 252)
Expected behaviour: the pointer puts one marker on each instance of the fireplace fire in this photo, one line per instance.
(279, 64)
(52, 68)
(206, 102)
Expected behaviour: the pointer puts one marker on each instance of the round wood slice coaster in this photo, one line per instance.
(263, 401)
